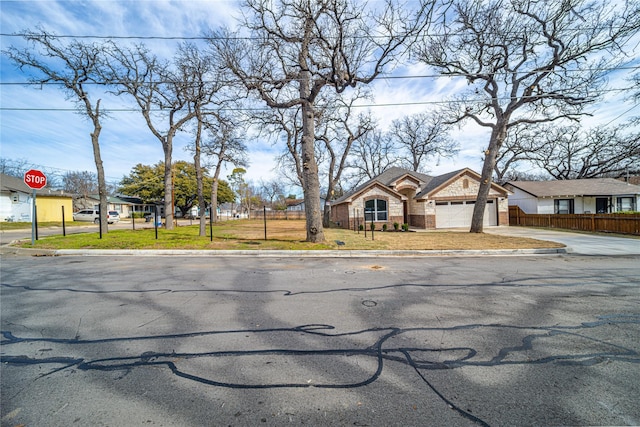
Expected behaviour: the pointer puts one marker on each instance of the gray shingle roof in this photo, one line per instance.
(386, 178)
(438, 181)
(577, 187)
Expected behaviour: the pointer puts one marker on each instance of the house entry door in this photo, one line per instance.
(405, 208)
(602, 205)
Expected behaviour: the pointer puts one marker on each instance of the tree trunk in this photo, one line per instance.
(202, 207)
(214, 190)
(498, 135)
(214, 199)
(311, 184)
(326, 219)
(102, 183)
(168, 182)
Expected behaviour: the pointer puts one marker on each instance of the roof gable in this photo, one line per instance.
(355, 195)
(441, 181)
(387, 179)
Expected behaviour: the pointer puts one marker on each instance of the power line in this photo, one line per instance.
(621, 115)
(394, 104)
(406, 77)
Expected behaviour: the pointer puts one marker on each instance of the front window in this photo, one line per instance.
(375, 210)
(626, 204)
(563, 206)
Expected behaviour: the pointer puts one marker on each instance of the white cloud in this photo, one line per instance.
(61, 139)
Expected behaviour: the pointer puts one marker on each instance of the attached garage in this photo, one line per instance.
(458, 214)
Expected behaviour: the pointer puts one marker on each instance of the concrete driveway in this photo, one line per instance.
(577, 243)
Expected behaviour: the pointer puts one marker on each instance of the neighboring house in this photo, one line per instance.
(294, 204)
(137, 205)
(298, 204)
(596, 195)
(16, 200)
(124, 205)
(422, 201)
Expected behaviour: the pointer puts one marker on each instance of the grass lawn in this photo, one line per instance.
(284, 235)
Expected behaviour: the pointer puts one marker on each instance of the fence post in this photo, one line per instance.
(64, 229)
(155, 220)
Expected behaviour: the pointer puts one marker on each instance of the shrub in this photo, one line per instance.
(361, 227)
(396, 226)
(372, 226)
(384, 227)
(405, 227)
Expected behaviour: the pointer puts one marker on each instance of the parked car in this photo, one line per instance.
(93, 215)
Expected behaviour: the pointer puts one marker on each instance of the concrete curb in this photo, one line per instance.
(285, 253)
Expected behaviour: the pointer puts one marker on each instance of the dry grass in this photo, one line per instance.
(287, 235)
(424, 240)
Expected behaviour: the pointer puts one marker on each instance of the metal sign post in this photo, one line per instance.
(33, 220)
(35, 180)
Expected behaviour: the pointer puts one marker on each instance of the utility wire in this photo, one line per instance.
(407, 77)
(393, 104)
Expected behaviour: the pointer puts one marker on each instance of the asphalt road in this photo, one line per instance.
(7, 236)
(188, 341)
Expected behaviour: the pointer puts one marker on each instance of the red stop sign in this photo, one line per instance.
(35, 179)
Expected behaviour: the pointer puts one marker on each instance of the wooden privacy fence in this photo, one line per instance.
(612, 223)
(259, 214)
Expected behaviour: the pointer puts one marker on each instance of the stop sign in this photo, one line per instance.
(35, 179)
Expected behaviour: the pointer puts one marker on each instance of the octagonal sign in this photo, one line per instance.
(35, 179)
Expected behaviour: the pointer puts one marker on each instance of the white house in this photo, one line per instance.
(595, 195)
(16, 202)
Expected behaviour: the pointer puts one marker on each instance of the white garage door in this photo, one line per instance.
(459, 214)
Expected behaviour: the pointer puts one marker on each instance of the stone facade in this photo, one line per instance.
(412, 198)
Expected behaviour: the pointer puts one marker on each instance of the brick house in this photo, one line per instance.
(422, 201)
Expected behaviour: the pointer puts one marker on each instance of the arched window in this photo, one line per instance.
(375, 210)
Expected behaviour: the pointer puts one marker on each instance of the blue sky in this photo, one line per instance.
(59, 140)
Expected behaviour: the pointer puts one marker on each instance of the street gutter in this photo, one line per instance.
(279, 253)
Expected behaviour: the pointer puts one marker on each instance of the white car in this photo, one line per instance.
(93, 215)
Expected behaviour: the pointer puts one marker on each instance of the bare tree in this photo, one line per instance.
(518, 175)
(519, 147)
(15, 167)
(271, 190)
(75, 67)
(299, 47)
(80, 183)
(371, 156)
(223, 145)
(568, 152)
(422, 136)
(338, 129)
(528, 62)
(166, 96)
(202, 88)
(286, 125)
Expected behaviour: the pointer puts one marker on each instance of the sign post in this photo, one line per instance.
(35, 180)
